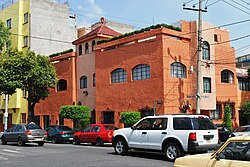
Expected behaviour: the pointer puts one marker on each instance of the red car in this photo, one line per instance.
(96, 134)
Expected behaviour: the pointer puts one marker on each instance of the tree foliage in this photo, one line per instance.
(4, 35)
(79, 114)
(130, 117)
(227, 118)
(30, 72)
(245, 111)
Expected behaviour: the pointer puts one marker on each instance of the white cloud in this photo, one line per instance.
(89, 12)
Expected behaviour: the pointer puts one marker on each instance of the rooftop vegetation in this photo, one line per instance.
(61, 53)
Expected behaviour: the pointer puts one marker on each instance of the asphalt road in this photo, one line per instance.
(68, 155)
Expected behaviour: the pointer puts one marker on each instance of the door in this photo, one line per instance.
(46, 121)
(84, 137)
(157, 133)
(37, 120)
(138, 137)
(94, 133)
(8, 134)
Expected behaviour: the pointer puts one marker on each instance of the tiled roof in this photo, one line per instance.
(101, 30)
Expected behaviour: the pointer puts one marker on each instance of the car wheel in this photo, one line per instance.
(172, 151)
(99, 142)
(3, 141)
(40, 143)
(121, 147)
(20, 141)
(76, 141)
(54, 140)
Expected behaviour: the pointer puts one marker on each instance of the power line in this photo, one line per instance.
(235, 7)
(212, 3)
(240, 4)
(245, 2)
(232, 40)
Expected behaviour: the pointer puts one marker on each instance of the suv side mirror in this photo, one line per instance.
(133, 127)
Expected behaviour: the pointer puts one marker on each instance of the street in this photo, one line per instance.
(60, 155)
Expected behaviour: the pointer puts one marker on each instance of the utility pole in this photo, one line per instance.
(198, 93)
(6, 112)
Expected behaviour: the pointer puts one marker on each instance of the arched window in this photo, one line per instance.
(141, 72)
(118, 75)
(62, 85)
(83, 82)
(86, 48)
(227, 76)
(80, 50)
(93, 45)
(205, 51)
(178, 70)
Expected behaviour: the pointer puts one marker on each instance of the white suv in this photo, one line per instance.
(174, 135)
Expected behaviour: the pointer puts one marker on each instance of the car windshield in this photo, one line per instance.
(66, 128)
(32, 126)
(110, 127)
(202, 124)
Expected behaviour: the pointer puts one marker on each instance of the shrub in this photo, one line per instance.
(227, 118)
(130, 117)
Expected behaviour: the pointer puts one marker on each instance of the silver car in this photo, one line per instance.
(24, 133)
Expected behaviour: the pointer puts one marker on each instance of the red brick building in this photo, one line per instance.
(157, 69)
(47, 112)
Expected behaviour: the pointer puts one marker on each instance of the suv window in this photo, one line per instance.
(152, 124)
(182, 123)
(202, 124)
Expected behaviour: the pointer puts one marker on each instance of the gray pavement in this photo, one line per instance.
(67, 155)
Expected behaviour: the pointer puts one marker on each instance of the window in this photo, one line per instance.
(87, 129)
(62, 85)
(178, 70)
(25, 41)
(244, 84)
(237, 151)
(86, 48)
(118, 75)
(227, 76)
(94, 80)
(80, 50)
(25, 18)
(215, 38)
(182, 124)
(8, 24)
(96, 129)
(23, 116)
(83, 82)
(206, 85)
(93, 45)
(141, 72)
(108, 117)
(215, 114)
(205, 51)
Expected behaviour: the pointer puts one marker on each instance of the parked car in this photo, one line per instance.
(24, 133)
(242, 130)
(60, 133)
(96, 134)
(224, 132)
(174, 135)
(234, 152)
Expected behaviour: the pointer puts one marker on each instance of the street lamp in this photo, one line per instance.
(157, 102)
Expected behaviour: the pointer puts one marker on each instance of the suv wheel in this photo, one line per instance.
(121, 147)
(172, 151)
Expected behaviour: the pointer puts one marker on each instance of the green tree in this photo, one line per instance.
(245, 111)
(33, 73)
(9, 78)
(79, 114)
(130, 117)
(4, 35)
(227, 118)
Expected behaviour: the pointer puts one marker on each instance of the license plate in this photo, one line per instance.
(208, 141)
(70, 138)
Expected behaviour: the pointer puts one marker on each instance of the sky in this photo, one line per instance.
(144, 13)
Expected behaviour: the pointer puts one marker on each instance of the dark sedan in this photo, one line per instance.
(60, 133)
(24, 133)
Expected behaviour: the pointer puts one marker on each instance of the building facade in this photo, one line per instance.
(157, 69)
